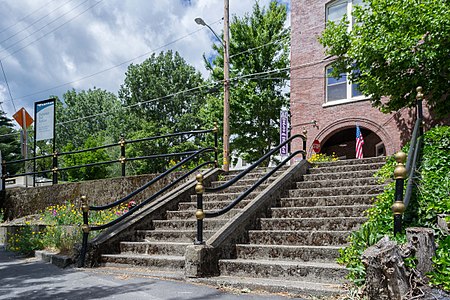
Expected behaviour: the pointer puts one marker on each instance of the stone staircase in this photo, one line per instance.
(161, 248)
(295, 249)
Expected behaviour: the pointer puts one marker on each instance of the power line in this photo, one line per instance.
(112, 67)
(7, 85)
(23, 18)
(32, 25)
(90, 7)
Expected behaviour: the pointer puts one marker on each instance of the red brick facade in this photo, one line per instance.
(335, 123)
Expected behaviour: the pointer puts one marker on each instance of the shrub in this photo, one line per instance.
(432, 198)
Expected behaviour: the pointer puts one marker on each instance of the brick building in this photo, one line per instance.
(335, 104)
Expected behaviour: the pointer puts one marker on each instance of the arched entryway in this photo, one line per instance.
(343, 144)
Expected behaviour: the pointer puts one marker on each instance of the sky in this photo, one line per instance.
(50, 46)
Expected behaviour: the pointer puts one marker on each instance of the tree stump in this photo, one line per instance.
(386, 275)
(421, 240)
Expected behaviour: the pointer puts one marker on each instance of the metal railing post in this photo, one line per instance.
(216, 145)
(305, 132)
(419, 98)
(86, 229)
(55, 168)
(199, 214)
(3, 174)
(399, 174)
(122, 154)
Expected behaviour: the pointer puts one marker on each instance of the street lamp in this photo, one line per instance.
(226, 84)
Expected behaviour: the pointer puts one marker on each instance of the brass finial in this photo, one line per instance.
(400, 169)
(215, 128)
(419, 95)
(398, 207)
(199, 189)
(122, 159)
(84, 204)
(85, 228)
(200, 214)
(305, 132)
(55, 154)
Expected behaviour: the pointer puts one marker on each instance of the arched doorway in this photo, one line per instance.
(342, 143)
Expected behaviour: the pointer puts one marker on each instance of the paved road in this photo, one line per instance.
(30, 278)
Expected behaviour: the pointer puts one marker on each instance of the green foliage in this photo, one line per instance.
(432, 198)
(9, 143)
(61, 231)
(255, 100)
(83, 158)
(394, 47)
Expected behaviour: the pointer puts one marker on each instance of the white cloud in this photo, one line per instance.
(112, 32)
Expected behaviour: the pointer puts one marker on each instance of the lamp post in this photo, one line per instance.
(226, 82)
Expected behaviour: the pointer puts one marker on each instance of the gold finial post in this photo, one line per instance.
(199, 214)
(400, 173)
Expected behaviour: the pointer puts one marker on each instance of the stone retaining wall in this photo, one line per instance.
(19, 202)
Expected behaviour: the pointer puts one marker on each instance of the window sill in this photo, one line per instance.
(345, 101)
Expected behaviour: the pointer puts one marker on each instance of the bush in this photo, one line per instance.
(432, 198)
(322, 157)
(62, 228)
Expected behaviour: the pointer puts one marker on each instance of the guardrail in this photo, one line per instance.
(401, 172)
(200, 189)
(56, 169)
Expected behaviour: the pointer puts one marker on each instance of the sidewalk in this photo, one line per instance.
(30, 278)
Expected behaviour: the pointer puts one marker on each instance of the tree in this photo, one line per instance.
(165, 95)
(259, 62)
(394, 47)
(94, 112)
(164, 90)
(9, 144)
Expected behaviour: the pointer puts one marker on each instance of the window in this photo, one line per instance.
(340, 89)
(336, 10)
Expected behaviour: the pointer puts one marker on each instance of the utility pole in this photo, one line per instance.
(226, 92)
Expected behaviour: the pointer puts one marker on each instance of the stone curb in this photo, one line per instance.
(61, 261)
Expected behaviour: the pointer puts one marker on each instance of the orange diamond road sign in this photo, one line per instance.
(22, 114)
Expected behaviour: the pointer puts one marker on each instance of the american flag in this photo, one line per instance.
(359, 143)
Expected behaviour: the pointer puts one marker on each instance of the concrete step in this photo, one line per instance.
(208, 224)
(244, 181)
(253, 175)
(344, 168)
(327, 201)
(190, 214)
(299, 237)
(238, 188)
(158, 262)
(364, 181)
(288, 252)
(291, 288)
(328, 224)
(339, 175)
(336, 191)
(288, 270)
(183, 236)
(211, 205)
(222, 197)
(319, 211)
(153, 248)
(369, 160)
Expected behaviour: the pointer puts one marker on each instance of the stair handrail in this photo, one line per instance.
(55, 169)
(401, 172)
(200, 214)
(85, 207)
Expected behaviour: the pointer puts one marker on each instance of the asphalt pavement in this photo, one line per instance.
(31, 278)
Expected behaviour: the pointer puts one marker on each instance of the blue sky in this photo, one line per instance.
(50, 46)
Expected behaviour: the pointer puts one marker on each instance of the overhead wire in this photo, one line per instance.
(53, 30)
(31, 24)
(23, 18)
(7, 85)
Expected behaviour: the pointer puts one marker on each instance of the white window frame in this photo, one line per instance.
(348, 98)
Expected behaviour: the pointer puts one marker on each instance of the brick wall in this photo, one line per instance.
(308, 63)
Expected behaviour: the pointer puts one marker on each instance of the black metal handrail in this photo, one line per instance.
(86, 208)
(402, 172)
(200, 189)
(55, 169)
